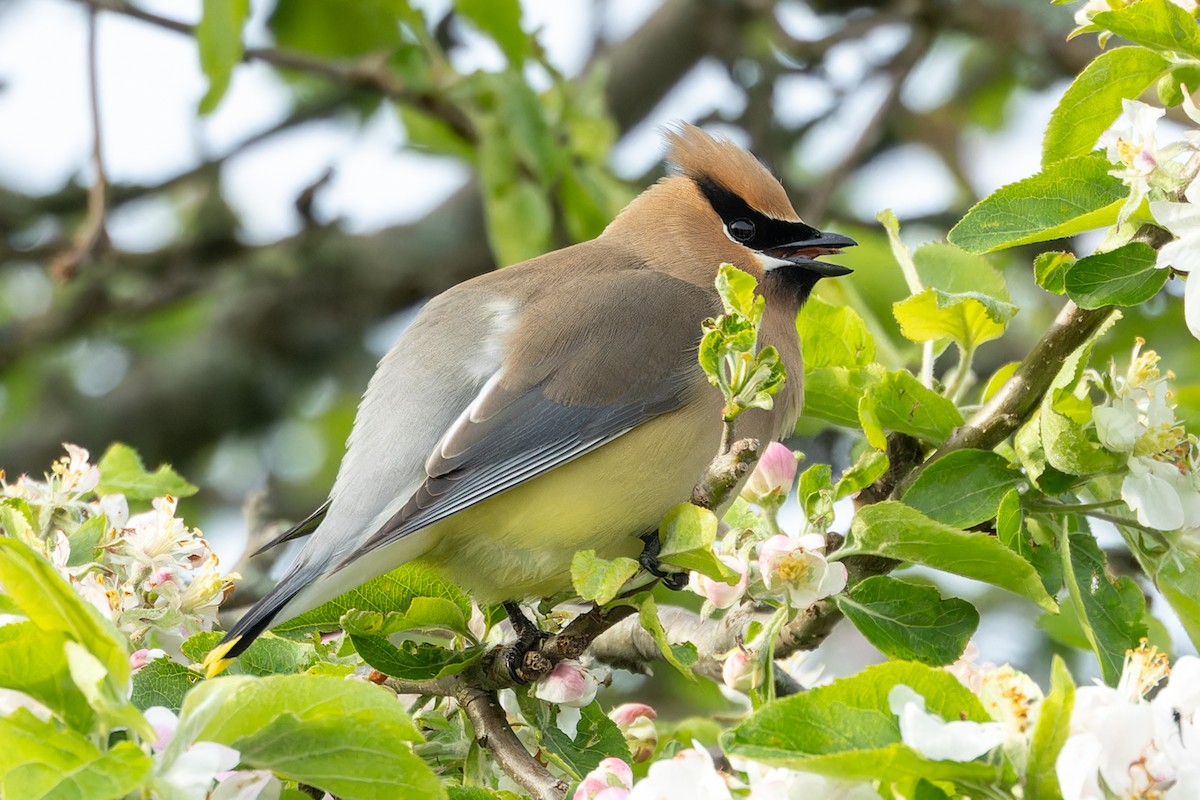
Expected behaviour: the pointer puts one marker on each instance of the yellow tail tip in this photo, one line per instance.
(216, 662)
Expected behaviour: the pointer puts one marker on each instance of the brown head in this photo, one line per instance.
(721, 205)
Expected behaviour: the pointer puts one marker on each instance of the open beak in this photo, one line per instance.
(804, 253)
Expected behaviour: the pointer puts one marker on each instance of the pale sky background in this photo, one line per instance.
(150, 85)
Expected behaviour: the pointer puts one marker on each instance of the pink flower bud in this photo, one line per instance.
(612, 779)
(140, 658)
(636, 721)
(742, 670)
(773, 475)
(719, 593)
(568, 684)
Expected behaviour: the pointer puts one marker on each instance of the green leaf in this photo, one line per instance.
(54, 607)
(41, 760)
(414, 661)
(833, 336)
(423, 614)
(1157, 24)
(1111, 611)
(519, 222)
(33, 661)
(833, 393)
(429, 133)
(895, 530)
(869, 468)
(681, 656)
(909, 622)
(949, 268)
(1126, 276)
(964, 487)
(269, 654)
(599, 579)
(687, 533)
(846, 729)
(1009, 528)
(596, 737)
(968, 318)
(219, 39)
(901, 403)
(1176, 573)
(85, 539)
(122, 472)
(998, 379)
(394, 591)
(1070, 196)
(1050, 270)
(1093, 101)
(335, 28)
(736, 289)
(344, 737)
(162, 682)
(501, 20)
(1049, 735)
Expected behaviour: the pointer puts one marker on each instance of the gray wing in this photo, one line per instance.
(599, 362)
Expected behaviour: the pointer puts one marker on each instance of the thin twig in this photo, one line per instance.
(94, 233)
(493, 732)
(370, 72)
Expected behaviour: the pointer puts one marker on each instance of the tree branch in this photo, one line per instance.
(94, 234)
(370, 72)
(493, 732)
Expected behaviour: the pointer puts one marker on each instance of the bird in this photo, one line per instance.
(558, 404)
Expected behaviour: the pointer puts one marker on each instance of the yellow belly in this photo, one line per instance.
(519, 544)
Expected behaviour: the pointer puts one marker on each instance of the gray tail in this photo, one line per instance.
(260, 616)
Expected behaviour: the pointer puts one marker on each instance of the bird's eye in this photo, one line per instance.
(741, 229)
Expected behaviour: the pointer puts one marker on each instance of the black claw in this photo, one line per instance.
(648, 559)
(529, 637)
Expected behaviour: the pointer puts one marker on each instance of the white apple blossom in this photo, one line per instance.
(1163, 484)
(780, 783)
(934, 737)
(1123, 744)
(690, 774)
(797, 567)
(1183, 254)
(1134, 150)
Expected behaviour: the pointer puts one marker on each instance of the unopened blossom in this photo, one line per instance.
(690, 774)
(742, 669)
(612, 779)
(569, 683)
(772, 477)
(719, 593)
(798, 568)
(939, 739)
(636, 723)
(1183, 254)
(140, 658)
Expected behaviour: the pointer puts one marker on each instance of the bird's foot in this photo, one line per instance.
(524, 658)
(648, 559)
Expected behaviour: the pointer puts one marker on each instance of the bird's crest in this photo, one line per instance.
(698, 155)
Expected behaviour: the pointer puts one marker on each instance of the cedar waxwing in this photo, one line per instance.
(558, 404)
